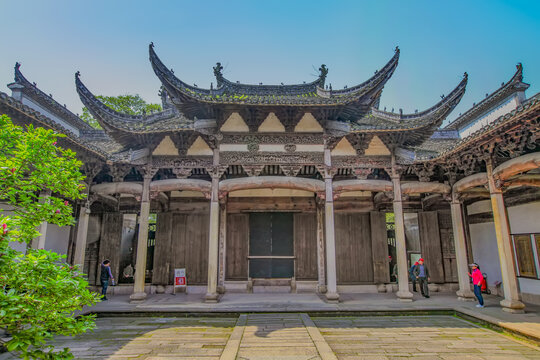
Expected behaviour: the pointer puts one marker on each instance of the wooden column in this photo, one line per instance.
(460, 245)
(321, 283)
(142, 242)
(222, 245)
(401, 251)
(82, 232)
(213, 233)
(512, 299)
(331, 288)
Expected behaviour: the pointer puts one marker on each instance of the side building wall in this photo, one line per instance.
(522, 219)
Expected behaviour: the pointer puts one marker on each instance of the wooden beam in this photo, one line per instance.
(418, 187)
(111, 188)
(469, 182)
(272, 182)
(181, 184)
(517, 165)
(362, 185)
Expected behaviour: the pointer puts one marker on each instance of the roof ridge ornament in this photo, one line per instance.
(323, 71)
(218, 73)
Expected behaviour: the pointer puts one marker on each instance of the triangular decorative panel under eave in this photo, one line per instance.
(271, 124)
(308, 123)
(200, 147)
(166, 147)
(343, 148)
(234, 123)
(376, 147)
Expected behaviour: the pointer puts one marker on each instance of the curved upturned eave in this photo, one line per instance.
(506, 88)
(114, 120)
(191, 94)
(435, 115)
(380, 78)
(75, 120)
(174, 85)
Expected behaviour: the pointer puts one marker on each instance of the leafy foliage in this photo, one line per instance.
(38, 292)
(127, 104)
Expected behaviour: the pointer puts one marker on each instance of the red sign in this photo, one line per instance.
(179, 277)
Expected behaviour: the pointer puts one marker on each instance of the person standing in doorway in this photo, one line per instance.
(477, 279)
(422, 275)
(105, 277)
(413, 276)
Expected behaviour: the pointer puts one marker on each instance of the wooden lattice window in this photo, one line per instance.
(526, 250)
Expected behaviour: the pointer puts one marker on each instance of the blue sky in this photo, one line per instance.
(272, 42)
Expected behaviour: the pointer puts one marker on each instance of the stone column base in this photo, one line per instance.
(513, 306)
(211, 298)
(321, 289)
(332, 297)
(221, 289)
(405, 296)
(465, 295)
(137, 297)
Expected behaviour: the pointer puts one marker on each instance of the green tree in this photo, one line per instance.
(127, 104)
(39, 293)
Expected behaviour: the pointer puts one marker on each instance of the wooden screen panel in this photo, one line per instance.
(447, 246)
(178, 245)
(379, 247)
(305, 246)
(109, 243)
(162, 250)
(260, 234)
(430, 243)
(353, 248)
(196, 255)
(237, 247)
(525, 256)
(282, 234)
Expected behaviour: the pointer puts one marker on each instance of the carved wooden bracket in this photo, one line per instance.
(362, 173)
(253, 170)
(182, 172)
(291, 170)
(216, 170)
(119, 171)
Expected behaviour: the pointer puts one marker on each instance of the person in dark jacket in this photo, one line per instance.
(105, 277)
(422, 275)
(413, 276)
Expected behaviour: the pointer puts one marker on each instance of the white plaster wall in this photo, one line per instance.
(485, 252)
(522, 219)
(57, 238)
(31, 104)
(529, 286)
(5, 211)
(504, 107)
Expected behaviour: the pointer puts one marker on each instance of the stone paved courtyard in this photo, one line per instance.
(293, 336)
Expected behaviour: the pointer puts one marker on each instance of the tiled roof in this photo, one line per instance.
(419, 126)
(310, 94)
(15, 108)
(167, 120)
(515, 84)
(32, 91)
(502, 120)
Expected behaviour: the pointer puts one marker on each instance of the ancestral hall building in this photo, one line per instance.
(300, 187)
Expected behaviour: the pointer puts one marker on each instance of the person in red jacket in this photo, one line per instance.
(477, 279)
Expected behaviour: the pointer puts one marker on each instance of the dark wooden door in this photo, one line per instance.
(430, 242)
(305, 246)
(271, 245)
(237, 247)
(353, 248)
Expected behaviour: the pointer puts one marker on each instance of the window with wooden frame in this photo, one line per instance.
(526, 249)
